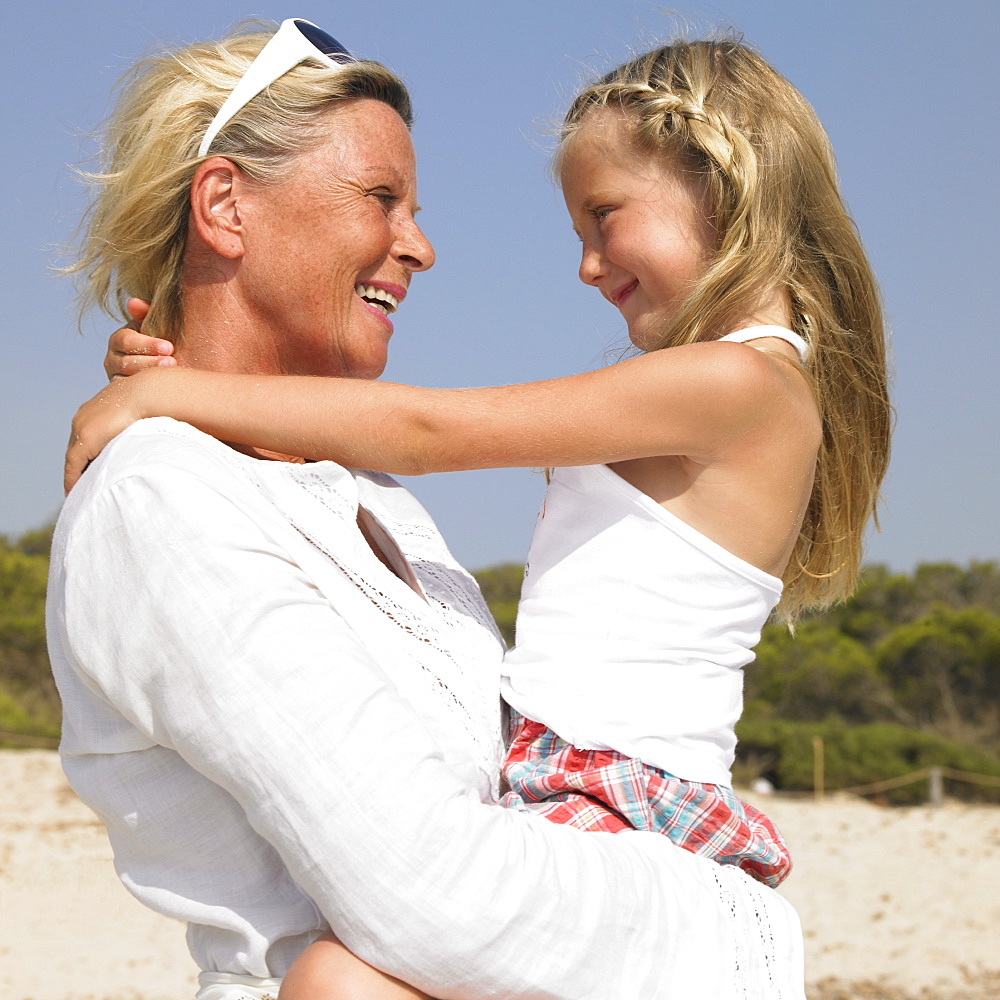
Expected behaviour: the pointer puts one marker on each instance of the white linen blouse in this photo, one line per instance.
(280, 734)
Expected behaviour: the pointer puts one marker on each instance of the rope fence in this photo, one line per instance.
(934, 776)
(34, 742)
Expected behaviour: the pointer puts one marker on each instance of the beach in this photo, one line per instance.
(896, 904)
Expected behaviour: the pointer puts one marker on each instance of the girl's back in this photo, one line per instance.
(749, 491)
(636, 617)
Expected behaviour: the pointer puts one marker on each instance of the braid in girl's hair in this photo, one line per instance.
(716, 109)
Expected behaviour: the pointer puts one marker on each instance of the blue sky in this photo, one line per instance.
(907, 91)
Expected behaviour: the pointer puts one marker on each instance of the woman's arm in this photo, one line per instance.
(691, 400)
(327, 762)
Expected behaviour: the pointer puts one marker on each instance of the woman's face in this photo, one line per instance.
(330, 250)
(644, 224)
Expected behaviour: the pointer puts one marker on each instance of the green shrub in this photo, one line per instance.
(27, 715)
(501, 586)
(857, 755)
(29, 698)
(816, 673)
(944, 670)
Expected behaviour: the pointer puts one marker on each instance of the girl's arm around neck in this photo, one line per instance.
(693, 400)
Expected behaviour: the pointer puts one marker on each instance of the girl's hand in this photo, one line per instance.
(131, 351)
(98, 421)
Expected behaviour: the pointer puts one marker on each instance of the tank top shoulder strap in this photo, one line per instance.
(758, 332)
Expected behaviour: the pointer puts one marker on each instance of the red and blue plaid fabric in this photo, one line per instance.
(601, 790)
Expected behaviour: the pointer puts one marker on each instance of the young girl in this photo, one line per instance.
(728, 470)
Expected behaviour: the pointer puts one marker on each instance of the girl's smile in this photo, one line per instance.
(644, 225)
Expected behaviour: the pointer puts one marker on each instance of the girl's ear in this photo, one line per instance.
(216, 189)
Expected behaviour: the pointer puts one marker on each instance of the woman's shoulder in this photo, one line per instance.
(159, 447)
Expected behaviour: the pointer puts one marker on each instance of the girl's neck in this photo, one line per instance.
(774, 308)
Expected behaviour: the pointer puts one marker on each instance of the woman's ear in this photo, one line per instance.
(216, 189)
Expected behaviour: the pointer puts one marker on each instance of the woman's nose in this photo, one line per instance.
(413, 249)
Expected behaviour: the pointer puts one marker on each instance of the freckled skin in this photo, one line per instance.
(285, 302)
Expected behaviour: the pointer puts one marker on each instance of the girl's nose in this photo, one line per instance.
(591, 266)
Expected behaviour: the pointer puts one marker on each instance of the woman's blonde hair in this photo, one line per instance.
(718, 109)
(133, 235)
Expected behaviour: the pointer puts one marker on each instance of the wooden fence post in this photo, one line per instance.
(935, 786)
(818, 779)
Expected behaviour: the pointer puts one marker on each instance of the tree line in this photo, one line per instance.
(29, 705)
(903, 676)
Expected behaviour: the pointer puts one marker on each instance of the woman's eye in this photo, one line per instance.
(386, 197)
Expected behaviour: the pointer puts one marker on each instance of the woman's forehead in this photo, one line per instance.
(365, 116)
(366, 137)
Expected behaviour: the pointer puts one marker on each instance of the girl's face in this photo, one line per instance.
(644, 225)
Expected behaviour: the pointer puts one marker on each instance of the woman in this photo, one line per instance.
(303, 692)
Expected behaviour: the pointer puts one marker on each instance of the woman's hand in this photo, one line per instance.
(98, 421)
(131, 351)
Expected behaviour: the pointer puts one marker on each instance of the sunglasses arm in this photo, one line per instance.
(286, 49)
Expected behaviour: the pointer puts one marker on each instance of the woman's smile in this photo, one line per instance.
(380, 296)
(338, 243)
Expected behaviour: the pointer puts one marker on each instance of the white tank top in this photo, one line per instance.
(634, 627)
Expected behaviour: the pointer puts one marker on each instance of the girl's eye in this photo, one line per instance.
(600, 214)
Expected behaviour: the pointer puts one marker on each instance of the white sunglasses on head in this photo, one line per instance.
(293, 43)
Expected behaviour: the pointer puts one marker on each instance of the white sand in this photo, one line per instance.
(907, 897)
(68, 930)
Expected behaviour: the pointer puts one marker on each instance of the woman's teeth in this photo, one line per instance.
(378, 297)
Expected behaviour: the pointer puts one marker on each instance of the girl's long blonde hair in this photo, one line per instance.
(133, 235)
(718, 109)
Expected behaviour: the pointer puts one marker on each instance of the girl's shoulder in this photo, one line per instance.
(719, 389)
(734, 369)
